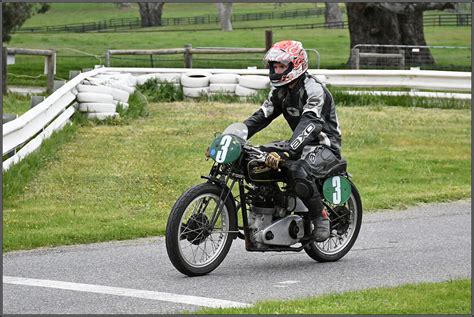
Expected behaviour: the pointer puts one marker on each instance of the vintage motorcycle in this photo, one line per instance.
(204, 220)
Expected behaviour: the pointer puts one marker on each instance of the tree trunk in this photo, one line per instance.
(390, 24)
(225, 14)
(332, 15)
(150, 13)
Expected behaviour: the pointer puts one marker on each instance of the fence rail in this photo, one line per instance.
(121, 24)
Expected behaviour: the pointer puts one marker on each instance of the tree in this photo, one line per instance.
(391, 24)
(150, 13)
(15, 14)
(332, 15)
(225, 14)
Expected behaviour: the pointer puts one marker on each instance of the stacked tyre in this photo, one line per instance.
(100, 102)
(250, 84)
(223, 84)
(195, 83)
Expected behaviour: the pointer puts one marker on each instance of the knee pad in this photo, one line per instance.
(300, 175)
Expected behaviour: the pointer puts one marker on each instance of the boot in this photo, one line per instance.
(319, 218)
(321, 230)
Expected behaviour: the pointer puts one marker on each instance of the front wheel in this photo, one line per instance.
(345, 225)
(193, 247)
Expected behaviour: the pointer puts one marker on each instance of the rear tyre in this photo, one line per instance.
(192, 247)
(346, 221)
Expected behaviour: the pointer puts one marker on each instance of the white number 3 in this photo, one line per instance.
(336, 196)
(222, 153)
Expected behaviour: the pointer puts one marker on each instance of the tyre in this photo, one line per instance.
(224, 79)
(192, 248)
(95, 89)
(119, 94)
(92, 97)
(345, 225)
(124, 105)
(244, 92)
(195, 92)
(254, 81)
(195, 79)
(224, 88)
(102, 115)
(97, 107)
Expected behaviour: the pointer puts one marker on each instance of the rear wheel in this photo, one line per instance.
(193, 247)
(345, 225)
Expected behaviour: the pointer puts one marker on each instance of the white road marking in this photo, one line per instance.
(288, 282)
(128, 292)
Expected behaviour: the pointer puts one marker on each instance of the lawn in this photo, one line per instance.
(113, 182)
(451, 297)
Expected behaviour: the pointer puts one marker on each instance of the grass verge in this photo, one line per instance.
(452, 297)
(114, 182)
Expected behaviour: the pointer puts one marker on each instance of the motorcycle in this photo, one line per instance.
(204, 221)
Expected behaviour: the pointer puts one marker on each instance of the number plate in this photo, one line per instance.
(337, 190)
(225, 149)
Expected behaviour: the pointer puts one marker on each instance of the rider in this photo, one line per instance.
(309, 109)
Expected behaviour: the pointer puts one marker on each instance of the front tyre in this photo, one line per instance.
(192, 247)
(345, 225)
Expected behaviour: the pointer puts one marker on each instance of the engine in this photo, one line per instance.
(269, 218)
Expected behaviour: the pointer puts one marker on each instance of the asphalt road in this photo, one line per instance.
(425, 243)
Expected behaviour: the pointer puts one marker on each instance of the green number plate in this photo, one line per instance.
(225, 149)
(337, 190)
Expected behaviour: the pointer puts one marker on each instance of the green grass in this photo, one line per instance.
(62, 13)
(16, 103)
(114, 182)
(332, 44)
(452, 297)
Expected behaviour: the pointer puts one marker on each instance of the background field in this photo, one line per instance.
(79, 50)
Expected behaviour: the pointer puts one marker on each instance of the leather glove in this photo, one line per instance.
(273, 160)
(207, 153)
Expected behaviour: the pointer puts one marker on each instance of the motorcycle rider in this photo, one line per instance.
(309, 109)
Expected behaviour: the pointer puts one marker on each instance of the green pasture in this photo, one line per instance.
(62, 13)
(77, 51)
(451, 297)
(114, 182)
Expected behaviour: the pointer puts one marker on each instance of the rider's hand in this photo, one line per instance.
(207, 153)
(273, 160)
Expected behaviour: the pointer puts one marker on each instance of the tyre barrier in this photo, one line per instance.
(87, 97)
(254, 81)
(97, 107)
(102, 115)
(242, 91)
(195, 92)
(195, 79)
(224, 79)
(222, 88)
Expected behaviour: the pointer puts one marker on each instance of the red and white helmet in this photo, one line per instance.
(290, 53)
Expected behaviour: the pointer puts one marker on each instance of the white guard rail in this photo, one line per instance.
(46, 117)
(54, 112)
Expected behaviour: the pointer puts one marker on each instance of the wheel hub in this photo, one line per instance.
(197, 229)
(340, 220)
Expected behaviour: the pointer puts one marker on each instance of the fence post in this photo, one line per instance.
(188, 56)
(107, 58)
(355, 56)
(4, 70)
(268, 39)
(51, 68)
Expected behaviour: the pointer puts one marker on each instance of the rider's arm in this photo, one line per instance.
(263, 116)
(311, 121)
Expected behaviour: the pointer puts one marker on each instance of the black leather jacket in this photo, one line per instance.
(309, 110)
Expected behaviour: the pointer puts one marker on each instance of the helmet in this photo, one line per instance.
(290, 53)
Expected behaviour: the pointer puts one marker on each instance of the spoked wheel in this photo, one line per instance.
(345, 225)
(193, 246)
